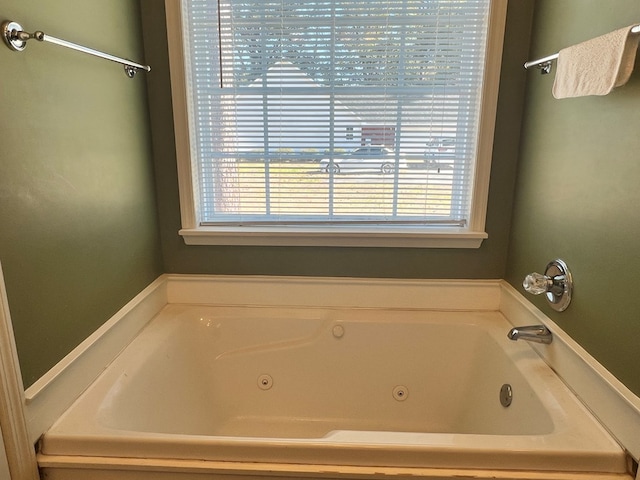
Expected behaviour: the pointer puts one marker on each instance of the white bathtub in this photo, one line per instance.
(340, 387)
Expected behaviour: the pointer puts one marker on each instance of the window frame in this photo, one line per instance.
(470, 236)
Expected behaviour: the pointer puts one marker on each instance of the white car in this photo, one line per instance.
(440, 152)
(373, 157)
(444, 147)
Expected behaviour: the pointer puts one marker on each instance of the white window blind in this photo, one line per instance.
(334, 112)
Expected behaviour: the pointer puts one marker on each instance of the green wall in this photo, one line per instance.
(79, 213)
(578, 190)
(79, 234)
(487, 262)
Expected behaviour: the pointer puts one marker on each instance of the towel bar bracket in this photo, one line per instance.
(544, 64)
(545, 68)
(130, 71)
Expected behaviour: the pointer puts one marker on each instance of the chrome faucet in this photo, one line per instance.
(531, 333)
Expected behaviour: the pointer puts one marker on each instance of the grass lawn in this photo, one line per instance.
(297, 188)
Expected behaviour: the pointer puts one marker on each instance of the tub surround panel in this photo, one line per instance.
(55, 391)
(605, 396)
(334, 292)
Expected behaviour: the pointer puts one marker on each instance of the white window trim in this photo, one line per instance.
(468, 237)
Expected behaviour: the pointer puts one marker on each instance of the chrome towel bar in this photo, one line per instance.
(16, 39)
(544, 64)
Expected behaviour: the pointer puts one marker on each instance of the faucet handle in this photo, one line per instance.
(556, 283)
(537, 284)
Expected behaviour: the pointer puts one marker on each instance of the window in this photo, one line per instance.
(265, 89)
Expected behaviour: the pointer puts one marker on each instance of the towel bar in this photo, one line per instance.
(544, 64)
(16, 39)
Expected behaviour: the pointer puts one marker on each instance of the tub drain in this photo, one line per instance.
(400, 393)
(506, 395)
(265, 382)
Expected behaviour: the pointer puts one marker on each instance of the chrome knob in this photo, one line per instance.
(537, 284)
(556, 283)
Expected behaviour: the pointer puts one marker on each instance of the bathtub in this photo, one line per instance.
(330, 387)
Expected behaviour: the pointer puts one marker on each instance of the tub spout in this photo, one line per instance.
(531, 333)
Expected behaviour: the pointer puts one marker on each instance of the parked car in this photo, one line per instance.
(438, 151)
(441, 147)
(372, 157)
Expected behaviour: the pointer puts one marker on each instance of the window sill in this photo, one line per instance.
(334, 237)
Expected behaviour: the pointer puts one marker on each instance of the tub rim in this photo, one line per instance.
(571, 447)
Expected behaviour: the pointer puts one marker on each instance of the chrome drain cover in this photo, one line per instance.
(506, 395)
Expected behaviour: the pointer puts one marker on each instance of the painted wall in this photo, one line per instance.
(578, 190)
(487, 262)
(79, 234)
(77, 208)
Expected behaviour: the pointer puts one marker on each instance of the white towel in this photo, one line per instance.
(597, 66)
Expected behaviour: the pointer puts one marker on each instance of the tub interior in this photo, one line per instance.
(306, 374)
